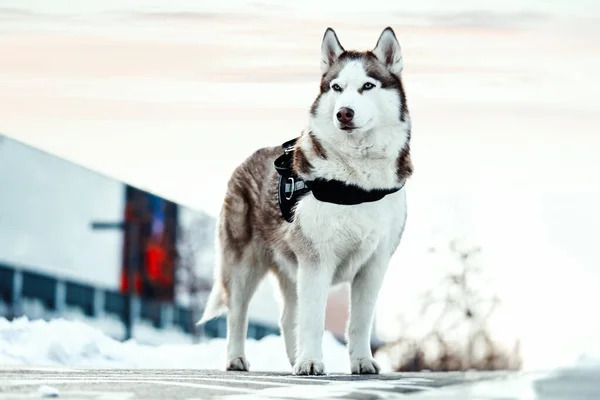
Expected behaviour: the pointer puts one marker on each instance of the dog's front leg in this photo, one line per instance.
(364, 291)
(314, 281)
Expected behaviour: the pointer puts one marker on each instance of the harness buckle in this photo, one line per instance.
(291, 178)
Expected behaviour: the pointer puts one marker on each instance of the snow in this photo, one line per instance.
(110, 324)
(48, 391)
(60, 342)
(74, 343)
(520, 387)
(590, 359)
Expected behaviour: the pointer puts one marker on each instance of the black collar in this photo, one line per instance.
(292, 188)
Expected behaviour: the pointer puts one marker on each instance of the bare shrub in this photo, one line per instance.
(460, 337)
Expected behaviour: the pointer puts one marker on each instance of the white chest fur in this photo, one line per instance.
(346, 237)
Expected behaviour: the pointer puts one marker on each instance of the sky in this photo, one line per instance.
(315, 8)
(504, 113)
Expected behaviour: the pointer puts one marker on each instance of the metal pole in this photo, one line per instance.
(132, 265)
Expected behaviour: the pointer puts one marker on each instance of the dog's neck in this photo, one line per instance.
(357, 160)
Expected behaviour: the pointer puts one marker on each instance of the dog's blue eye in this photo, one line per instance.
(336, 87)
(368, 86)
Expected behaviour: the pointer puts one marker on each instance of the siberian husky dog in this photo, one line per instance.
(334, 215)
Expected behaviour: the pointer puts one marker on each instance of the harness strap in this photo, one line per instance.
(291, 188)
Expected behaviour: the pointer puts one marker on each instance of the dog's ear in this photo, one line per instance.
(388, 51)
(331, 49)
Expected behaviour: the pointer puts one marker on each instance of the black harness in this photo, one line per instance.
(291, 188)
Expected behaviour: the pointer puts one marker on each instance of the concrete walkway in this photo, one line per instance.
(78, 383)
(121, 384)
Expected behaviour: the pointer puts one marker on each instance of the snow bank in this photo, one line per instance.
(589, 359)
(62, 342)
(48, 391)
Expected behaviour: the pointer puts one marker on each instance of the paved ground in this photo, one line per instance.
(87, 384)
(189, 384)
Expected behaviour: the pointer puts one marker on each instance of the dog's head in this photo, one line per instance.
(361, 92)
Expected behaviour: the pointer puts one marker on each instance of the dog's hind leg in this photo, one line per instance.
(242, 283)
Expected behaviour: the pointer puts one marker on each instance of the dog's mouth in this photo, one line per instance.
(351, 127)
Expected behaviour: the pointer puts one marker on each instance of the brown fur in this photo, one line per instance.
(317, 147)
(301, 164)
(251, 225)
(404, 166)
(250, 202)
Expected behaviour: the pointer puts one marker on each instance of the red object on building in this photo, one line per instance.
(155, 259)
(137, 282)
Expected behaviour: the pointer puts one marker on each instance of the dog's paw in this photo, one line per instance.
(364, 366)
(238, 364)
(309, 367)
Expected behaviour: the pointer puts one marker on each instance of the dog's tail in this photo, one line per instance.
(215, 305)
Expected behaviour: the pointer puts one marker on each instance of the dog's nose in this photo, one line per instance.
(345, 115)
